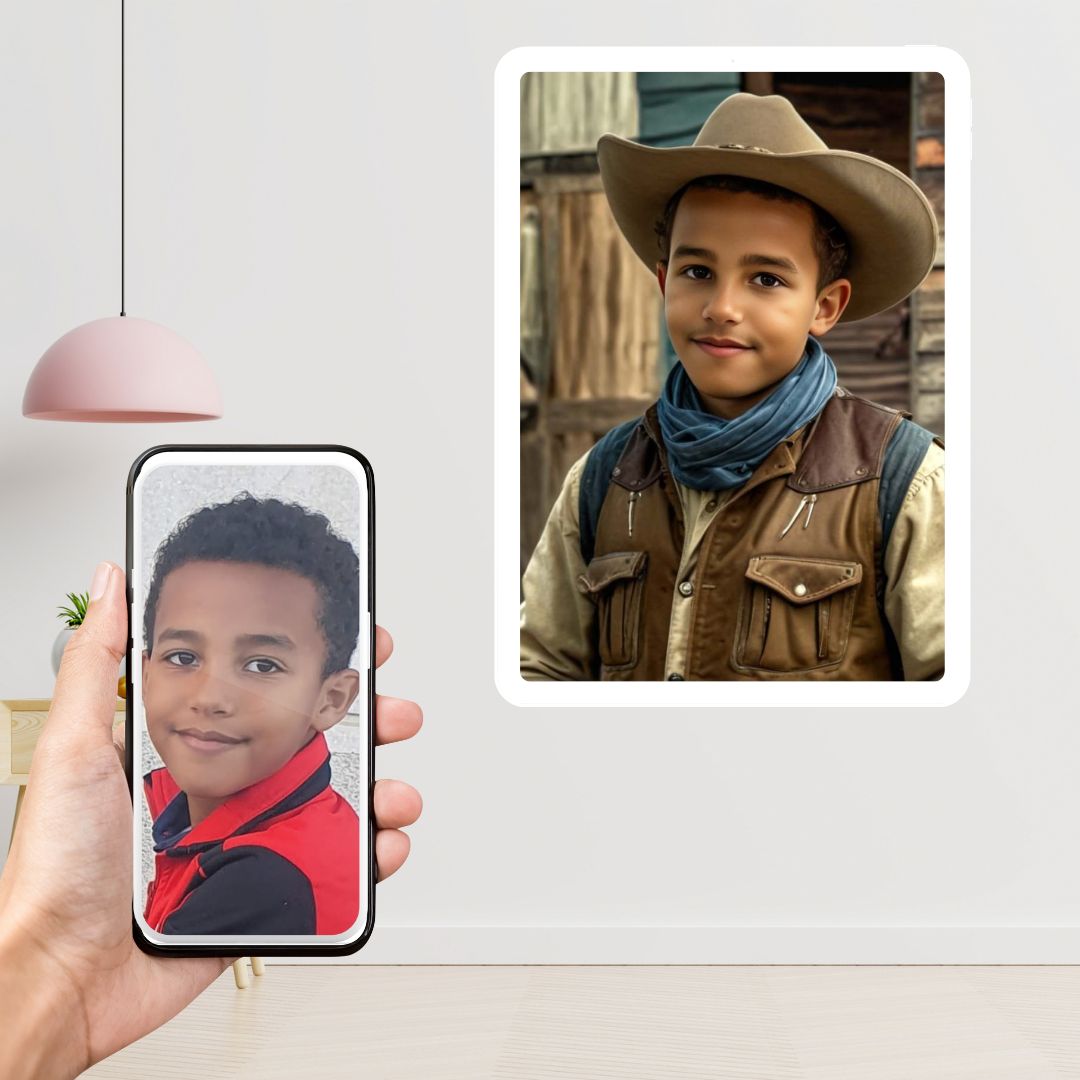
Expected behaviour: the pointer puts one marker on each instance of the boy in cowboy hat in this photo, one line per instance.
(758, 522)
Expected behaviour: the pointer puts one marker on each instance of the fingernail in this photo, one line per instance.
(100, 580)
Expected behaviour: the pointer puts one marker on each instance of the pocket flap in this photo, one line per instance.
(616, 566)
(802, 581)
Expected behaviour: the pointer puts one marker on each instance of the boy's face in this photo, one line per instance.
(717, 286)
(223, 708)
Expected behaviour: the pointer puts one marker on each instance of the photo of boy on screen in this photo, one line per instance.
(250, 624)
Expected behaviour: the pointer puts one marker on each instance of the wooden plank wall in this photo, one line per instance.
(928, 337)
(606, 337)
(567, 111)
(595, 354)
(590, 310)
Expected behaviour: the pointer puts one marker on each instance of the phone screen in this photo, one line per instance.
(250, 694)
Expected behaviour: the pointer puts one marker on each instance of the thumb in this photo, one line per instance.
(85, 693)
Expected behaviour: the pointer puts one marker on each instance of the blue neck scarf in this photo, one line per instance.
(710, 453)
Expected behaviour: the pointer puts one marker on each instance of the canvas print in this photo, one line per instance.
(732, 376)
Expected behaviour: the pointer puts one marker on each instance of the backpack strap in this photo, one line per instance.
(595, 478)
(903, 456)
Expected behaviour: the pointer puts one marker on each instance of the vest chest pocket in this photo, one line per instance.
(616, 583)
(796, 613)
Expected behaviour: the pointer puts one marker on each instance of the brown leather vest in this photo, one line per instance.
(788, 574)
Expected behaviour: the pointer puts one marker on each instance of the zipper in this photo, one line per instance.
(631, 502)
(806, 500)
(794, 517)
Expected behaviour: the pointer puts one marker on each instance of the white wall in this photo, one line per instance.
(309, 202)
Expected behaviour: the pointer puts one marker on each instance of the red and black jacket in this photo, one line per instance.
(279, 857)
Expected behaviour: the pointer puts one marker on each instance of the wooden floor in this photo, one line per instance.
(531, 1023)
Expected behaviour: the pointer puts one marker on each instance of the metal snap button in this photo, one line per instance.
(800, 589)
(676, 678)
(687, 588)
(711, 504)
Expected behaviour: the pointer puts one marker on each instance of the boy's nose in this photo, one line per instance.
(722, 305)
(212, 695)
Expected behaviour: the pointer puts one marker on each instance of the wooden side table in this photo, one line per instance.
(21, 722)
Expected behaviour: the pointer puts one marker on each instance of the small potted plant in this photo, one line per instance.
(74, 616)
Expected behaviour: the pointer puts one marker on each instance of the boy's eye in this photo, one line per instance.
(771, 277)
(703, 273)
(274, 666)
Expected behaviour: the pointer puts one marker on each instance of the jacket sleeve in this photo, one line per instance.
(557, 620)
(915, 571)
(246, 890)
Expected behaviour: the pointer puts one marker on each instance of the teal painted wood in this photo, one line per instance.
(672, 105)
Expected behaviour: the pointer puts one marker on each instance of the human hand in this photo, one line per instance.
(71, 976)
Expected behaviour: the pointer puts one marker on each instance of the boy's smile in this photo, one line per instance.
(740, 294)
(233, 687)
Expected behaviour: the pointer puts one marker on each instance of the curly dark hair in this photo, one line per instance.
(830, 241)
(270, 532)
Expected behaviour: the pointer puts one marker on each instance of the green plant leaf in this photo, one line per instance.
(75, 615)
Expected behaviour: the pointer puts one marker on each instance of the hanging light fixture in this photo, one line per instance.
(121, 369)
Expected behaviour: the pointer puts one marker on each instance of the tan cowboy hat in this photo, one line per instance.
(889, 222)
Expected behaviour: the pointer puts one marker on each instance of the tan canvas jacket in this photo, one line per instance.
(558, 620)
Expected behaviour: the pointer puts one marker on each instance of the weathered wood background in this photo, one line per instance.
(928, 302)
(566, 111)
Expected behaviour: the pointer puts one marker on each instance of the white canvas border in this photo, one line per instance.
(946, 691)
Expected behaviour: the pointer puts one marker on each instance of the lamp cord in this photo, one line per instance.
(122, 311)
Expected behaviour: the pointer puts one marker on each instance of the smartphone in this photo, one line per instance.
(250, 699)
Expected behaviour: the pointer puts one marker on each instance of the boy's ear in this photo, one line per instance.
(830, 305)
(661, 276)
(339, 692)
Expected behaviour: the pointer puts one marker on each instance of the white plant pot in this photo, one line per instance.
(59, 645)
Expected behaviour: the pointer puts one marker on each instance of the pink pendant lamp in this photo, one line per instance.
(119, 369)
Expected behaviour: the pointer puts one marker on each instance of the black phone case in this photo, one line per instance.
(241, 947)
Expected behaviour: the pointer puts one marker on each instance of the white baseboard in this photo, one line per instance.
(715, 945)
